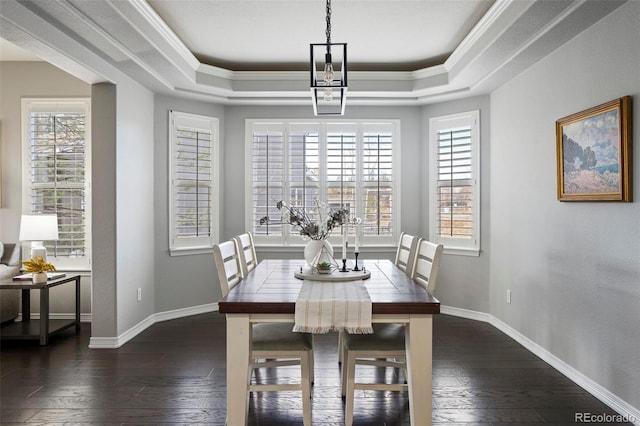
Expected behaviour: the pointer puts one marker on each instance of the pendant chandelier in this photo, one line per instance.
(328, 74)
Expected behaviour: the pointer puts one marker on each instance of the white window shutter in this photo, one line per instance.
(57, 157)
(455, 177)
(194, 183)
(306, 164)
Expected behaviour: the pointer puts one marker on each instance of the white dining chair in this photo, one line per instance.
(406, 252)
(272, 345)
(386, 346)
(405, 256)
(247, 252)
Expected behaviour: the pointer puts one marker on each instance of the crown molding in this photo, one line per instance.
(152, 18)
(117, 38)
(488, 22)
(91, 25)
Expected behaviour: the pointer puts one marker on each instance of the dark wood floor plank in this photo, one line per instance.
(174, 373)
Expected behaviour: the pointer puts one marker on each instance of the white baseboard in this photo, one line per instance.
(465, 313)
(70, 316)
(116, 342)
(604, 395)
(186, 312)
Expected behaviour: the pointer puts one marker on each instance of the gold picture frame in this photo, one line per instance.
(594, 153)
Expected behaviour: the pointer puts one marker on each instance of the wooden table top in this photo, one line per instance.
(9, 283)
(271, 288)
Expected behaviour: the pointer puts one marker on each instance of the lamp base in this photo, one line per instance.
(37, 249)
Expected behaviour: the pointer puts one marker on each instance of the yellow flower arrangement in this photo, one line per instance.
(37, 265)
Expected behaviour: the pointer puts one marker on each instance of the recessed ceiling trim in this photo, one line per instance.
(214, 71)
(504, 43)
(488, 21)
(161, 27)
(26, 29)
(94, 26)
(527, 44)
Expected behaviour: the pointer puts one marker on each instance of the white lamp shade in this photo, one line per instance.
(38, 227)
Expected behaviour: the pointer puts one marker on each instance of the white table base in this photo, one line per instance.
(419, 362)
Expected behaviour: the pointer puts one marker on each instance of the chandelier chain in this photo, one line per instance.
(328, 31)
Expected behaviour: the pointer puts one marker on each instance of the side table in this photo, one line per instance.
(42, 329)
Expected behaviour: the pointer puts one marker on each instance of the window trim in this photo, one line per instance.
(289, 240)
(203, 245)
(453, 246)
(29, 105)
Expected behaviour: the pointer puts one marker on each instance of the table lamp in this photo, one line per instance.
(38, 228)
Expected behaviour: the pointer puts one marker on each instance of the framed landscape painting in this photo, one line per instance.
(594, 153)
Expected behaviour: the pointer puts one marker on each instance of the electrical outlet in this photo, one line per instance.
(509, 296)
(139, 294)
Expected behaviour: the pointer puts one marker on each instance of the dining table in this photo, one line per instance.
(268, 294)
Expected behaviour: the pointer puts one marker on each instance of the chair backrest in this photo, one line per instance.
(246, 253)
(228, 265)
(406, 253)
(427, 263)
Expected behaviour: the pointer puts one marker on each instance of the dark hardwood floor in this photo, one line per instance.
(174, 373)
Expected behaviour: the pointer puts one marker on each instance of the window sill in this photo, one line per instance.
(189, 251)
(298, 247)
(459, 251)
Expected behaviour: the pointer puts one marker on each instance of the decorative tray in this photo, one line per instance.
(309, 274)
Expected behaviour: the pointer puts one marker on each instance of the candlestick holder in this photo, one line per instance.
(344, 266)
(355, 268)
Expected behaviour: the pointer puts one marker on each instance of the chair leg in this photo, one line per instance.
(312, 368)
(305, 369)
(343, 372)
(350, 361)
(340, 354)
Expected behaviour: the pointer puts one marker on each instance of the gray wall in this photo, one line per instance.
(463, 281)
(188, 281)
(573, 268)
(103, 221)
(135, 242)
(191, 280)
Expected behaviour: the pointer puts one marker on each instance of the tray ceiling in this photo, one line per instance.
(401, 52)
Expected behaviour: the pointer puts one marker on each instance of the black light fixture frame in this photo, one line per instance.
(321, 53)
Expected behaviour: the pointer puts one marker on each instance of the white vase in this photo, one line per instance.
(314, 253)
(39, 277)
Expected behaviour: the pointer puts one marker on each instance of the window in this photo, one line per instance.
(335, 164)
(56, 158)
(194, 183)
(455, 182)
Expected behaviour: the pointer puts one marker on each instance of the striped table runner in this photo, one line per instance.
(324, 306)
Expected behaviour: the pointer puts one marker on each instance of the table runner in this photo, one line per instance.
(324, 306)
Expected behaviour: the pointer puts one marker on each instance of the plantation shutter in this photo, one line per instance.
(268, 172)
(456, 181)
(304, 167)
(56, 156)
(377, 181)
(192, 200)
(322, 166)
(455, 204)
(193, 183)
(57, 177)
(342, 169)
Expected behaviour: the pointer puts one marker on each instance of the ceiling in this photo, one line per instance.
(401, 52)
(275, 35)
